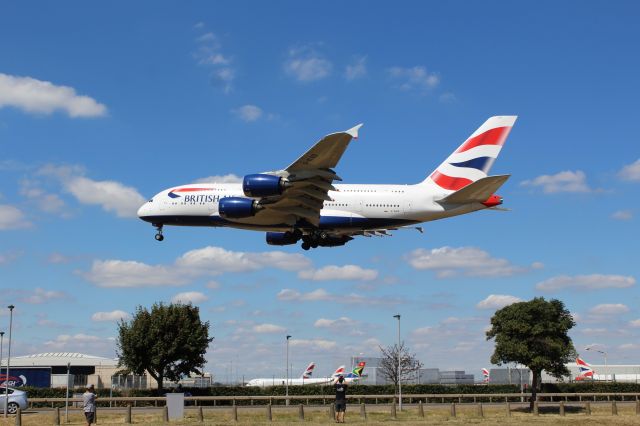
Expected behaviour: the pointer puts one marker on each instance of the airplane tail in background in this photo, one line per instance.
(473, 159)
(309, 371)
(485, 376)
(359, 369)
(586, 372)
(339, 371)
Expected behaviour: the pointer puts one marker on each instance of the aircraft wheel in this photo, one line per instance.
(305, 246)
(159, 237)
(323, 235)
(314, 245)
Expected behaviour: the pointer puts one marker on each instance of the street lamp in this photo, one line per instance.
(6, 388)
(286, 387)
(399, 379)
(590, 348)
(1, 353)
(66, 401)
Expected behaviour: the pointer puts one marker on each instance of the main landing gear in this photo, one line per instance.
(159, 236)
(313, 240)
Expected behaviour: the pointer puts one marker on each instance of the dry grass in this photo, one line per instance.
(493, 415)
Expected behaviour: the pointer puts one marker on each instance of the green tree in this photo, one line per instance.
(169, 341)
(534, 334)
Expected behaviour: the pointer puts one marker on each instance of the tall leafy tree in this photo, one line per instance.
(388, 367)
(169, 341)
(535, 334)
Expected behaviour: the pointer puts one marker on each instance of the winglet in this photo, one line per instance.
(354, 131)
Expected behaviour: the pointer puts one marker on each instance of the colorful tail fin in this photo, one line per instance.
(485, 375)
(474, 158)
(339, 371)
(309, 371)
(359, 369)
(586, 372)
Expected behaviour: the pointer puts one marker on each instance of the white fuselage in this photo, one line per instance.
(292, 382)
(353, 207)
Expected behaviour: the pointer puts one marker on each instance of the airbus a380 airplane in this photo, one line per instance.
(301, 202)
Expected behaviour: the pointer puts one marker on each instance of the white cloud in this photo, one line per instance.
(567, 181)
(214, 285)
(248, 113)
(586, 282)
(414, 79)
(207, 261)
(49, 203)
(112, 196)
(635, 323)
(609, 309)
(342, 323)
(194, 297)
(448, 98)
(9, 257)
(631, 172)
(268, 328)
(110, 316)
(357, 69)
(80, 343)
(305, 64)
(43, 97)
(322, 295)
(341, 273)
(470, 261)
(314, 344)
(40, 295)
(497, 301)
(209, 53)
(12, 218)
(622, 215)
(230, 178)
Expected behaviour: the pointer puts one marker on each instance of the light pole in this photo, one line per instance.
(66, 401)
(286, 387)
(6, 388)
(590, 348)
(1, 353)
(399, 378)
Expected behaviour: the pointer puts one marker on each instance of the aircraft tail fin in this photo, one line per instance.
(359, 369)
(309, 371)
(339, 371)
(479, 191)
(473, 159)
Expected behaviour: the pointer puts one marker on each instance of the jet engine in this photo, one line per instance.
(282, 238)
(261, 185)
(237, 207)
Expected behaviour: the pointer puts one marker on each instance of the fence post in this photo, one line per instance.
(562, 408)
(234, 412)
(508, 409)
(269, 416)
(480, 411)
(363, 411)
(165, 414)
(56, 416)
(420, 409)
(453, 409)
(614, 408)
(127, 416)
(637, 408)
(200, 414)
(536, 411)
(19, 417)
(301, 412)
(393, 409)
(332, 412)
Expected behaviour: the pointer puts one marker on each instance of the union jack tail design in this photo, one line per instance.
(339, 371)
(309, 371)
(485, 375)
(586, 372)
(474, 158)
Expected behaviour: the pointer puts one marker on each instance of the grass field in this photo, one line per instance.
(493, 415)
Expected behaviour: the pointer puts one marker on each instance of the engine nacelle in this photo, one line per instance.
(237, 207)
(260, 185)
(336, 241)
(282, 238)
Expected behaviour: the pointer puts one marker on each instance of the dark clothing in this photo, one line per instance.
(90, 416)
(341, 406)
(341, 392)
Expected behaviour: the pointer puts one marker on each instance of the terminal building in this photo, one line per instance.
(423, 376)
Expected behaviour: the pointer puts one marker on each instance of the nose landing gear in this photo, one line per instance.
(159, 236)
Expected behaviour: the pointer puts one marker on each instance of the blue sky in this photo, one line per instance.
(104, 105)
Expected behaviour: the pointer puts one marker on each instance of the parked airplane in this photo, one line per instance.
(305, 379)
(301, 202)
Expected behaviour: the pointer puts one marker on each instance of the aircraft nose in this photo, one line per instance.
(143, 211)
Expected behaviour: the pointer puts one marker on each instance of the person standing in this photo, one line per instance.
(341, 399)
(89, 405)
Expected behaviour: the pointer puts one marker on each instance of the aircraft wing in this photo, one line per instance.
(310, 178)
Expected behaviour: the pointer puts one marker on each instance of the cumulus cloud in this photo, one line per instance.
(40, 295)
(563, 182)
(357, 69)
(193, 297)
(47, 202)
(586, 282)
(230, 178)
(469, 261)
(248, 113)
(268, 328)
(8, 257)
(630, 172)
(322, 295)
(207, 261)
(80, 343)
(339, 273)
(413, 79)
(622, 215)
(110, 316)
(305, 64)
(635, 323)
(314, 344)
(497, 301)
(12, 217)
(43, 97)
(209, 53)
(609, 309)
(342, 323)
(112, 196)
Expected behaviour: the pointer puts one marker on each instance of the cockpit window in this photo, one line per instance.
(150, 201)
